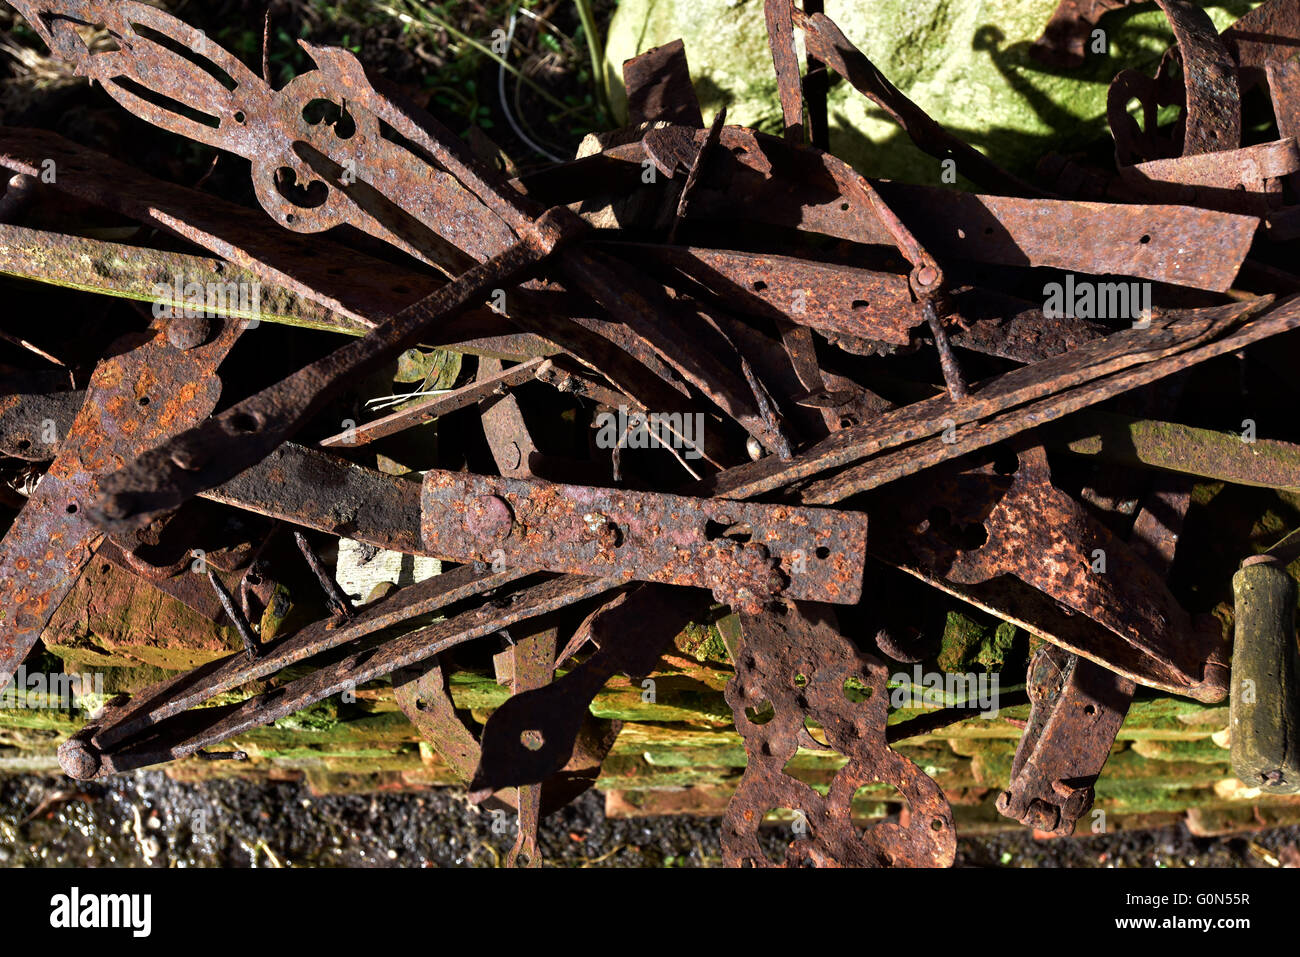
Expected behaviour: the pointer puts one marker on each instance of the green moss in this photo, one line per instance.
(962, 640)
(321, 716)
(703, 643)
(1202, 750)
(995, 649)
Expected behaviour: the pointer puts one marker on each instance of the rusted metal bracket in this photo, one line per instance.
(659, 87)
(1076, 709)
(136, 398)
(310, 172)
(974, 530)
(795, 666)
(747, 553)
(533, 735)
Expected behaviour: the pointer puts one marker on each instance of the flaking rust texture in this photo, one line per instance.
(819, 406)
(748, 554)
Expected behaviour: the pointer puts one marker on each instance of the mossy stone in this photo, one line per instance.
(966, 62)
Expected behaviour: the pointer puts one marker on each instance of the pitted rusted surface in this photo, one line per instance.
(794, 666)
(977, 526)
(748, 554)
(136, 399)
(1077, 709)
(763, 288)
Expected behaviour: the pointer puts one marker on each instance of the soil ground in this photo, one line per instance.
(148, 820)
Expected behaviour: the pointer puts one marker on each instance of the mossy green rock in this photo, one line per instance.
(966, 62)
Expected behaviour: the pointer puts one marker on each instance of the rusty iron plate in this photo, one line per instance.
(659, 88)
(137, 398)
(746, 553)
(796, 666)
(1076, 710)
(1182, 245)
(1032, 395)
(533, 735)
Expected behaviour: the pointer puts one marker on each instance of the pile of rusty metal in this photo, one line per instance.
(804, 377)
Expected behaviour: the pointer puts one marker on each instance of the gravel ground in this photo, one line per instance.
(146, 819)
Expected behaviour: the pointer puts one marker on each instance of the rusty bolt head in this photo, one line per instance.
(1042, 816)
(602, 529)
(188, 332)
(490, 517)
(79, 759)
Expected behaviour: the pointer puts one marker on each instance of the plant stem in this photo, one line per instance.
(588, 18)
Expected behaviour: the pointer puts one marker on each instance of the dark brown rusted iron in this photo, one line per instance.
(532, 660)
(693, 174)
(825, 40)
(826, 296)
(754, 321)
(1212, 98)
(816, 86)
(937, 449)
(532, 735)
(1066, 37)
(424, 696)
(971, 530)
(747, 553)
(1247, 180)
(32, 427)
(148, 392)
(779, 15)
(659, 87)
(1030, 396)
(818, 193)
(191, 731)
(237, 617)
(334, 597)
(348, 159)
(133, 272)
(309, 268)
(1146, 242)
(175, 695)
(436, 406)
(1076, 710)
(293, 484)
(245, 433)
(190, 589)
(793, 666)
(1263, 45)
